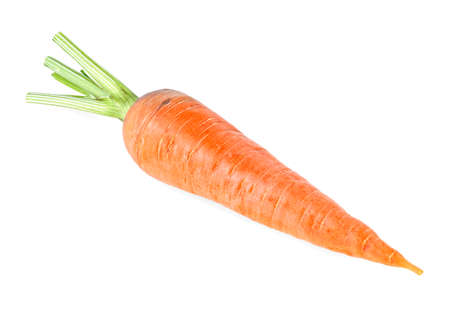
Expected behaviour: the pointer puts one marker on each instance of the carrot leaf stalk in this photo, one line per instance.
(102, 93)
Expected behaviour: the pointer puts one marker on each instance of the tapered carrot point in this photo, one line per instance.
(408, 265)
(400, 261)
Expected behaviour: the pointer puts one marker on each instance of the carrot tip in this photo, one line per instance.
(399, 261)
(408, 265)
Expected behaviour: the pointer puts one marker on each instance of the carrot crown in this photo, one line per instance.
(102, 93)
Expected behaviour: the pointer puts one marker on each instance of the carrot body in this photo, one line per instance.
(179, 141)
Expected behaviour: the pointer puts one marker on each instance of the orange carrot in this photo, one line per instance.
(177, 140)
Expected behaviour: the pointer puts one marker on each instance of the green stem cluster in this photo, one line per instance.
(102, 93)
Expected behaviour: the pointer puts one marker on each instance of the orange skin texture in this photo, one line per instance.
(177, 140)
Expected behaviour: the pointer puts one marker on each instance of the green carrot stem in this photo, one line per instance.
(95, 71)
(101, 107)
(103, 93)
(86, 75)
(71, 85)
(75, 78)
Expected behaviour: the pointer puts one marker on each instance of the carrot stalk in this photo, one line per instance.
(82, 103)
(181, 142)
(95, 71)
(103, 93)
(75, 79)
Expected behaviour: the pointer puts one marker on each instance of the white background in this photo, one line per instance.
(354, 95)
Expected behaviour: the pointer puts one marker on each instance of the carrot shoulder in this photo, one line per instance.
(179, 141)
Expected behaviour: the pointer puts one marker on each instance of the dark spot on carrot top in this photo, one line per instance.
(165, 102)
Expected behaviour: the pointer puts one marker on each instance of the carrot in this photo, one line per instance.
(179, 141)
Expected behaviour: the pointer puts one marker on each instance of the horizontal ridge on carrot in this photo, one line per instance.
(179, 141)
